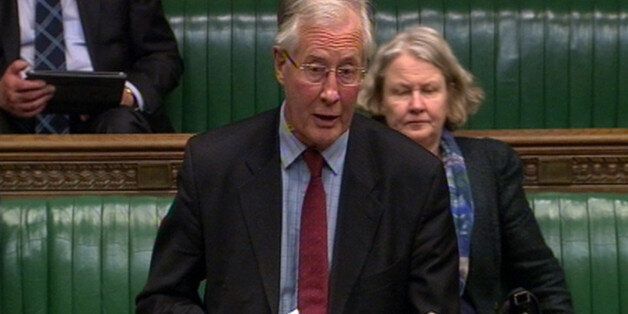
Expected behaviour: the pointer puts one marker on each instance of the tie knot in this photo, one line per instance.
(314, 161)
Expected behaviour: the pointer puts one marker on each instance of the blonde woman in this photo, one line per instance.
(417, 86)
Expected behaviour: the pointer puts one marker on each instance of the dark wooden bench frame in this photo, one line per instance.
(574, 160)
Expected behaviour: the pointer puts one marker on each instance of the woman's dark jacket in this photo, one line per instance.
(507, 248)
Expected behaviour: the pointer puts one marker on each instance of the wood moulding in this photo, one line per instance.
(90, 164)
(575, 160)
(554, 160)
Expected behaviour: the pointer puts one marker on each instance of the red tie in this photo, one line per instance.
(313, 269)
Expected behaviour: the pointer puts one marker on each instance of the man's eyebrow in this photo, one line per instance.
(314, 59)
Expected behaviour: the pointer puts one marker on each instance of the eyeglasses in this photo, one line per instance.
(346, 75)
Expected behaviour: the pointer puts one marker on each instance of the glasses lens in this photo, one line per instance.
(315, 73)
(347, 75)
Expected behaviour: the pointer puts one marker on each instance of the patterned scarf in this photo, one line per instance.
(461, 200)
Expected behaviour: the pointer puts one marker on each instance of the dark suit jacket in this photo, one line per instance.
(395, 249)
(121, 35)
(507, 248)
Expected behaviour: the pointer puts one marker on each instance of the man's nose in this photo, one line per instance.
(330, 92)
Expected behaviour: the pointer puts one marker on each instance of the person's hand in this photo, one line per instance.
(23, 98)
(127, 100)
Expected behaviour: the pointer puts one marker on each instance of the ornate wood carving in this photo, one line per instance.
(94, 164)
(554, 160)
(569, 160)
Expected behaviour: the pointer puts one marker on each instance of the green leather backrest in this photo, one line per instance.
(543, 64)
(589, 235)
(91, 254)
(77, 255)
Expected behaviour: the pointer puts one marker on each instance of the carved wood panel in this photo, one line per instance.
(90, 164)
(569, 160)
(554, 160)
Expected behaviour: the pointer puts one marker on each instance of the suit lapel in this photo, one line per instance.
(261, 204)
(11, 36)
(358, 216)
(89, 13)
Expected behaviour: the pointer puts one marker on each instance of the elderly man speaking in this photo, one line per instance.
(308, 208)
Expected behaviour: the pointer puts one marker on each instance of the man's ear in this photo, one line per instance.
(280, 61)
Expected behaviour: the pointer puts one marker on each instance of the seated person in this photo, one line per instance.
(418, 87)
(129, 36)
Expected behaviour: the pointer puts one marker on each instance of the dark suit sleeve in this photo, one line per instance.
(434, 269)
(528, 261)
(156, 66)
(177, 264)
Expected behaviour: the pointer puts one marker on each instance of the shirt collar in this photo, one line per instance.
(291, 148)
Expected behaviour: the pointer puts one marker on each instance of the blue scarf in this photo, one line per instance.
(461, 200)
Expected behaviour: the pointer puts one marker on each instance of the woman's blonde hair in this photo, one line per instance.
(426, 44)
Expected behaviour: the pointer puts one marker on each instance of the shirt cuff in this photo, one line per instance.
(136, 93)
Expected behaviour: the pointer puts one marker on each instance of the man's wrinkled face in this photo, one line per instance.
(319, 113)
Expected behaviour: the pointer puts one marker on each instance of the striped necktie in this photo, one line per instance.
(50, 55)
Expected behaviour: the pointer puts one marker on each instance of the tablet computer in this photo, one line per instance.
(82, 92)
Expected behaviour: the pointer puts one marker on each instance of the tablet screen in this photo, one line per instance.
(82, 92)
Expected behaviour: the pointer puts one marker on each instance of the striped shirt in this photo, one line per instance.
(295, 178)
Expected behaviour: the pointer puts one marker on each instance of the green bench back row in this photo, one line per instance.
(91, 254)
(543, 64)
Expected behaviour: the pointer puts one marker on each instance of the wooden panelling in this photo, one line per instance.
(569, 160)
(554, 160)
(80, 164)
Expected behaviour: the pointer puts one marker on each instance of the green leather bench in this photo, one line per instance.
(91, 254)
(76, 255)
(543, 64)
(589, 235)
